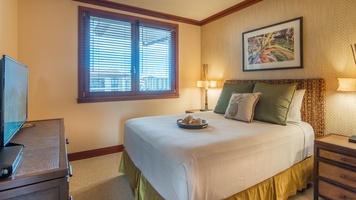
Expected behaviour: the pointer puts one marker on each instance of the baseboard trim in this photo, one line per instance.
(95, 153)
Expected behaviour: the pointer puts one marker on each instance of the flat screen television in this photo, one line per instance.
(13, 98)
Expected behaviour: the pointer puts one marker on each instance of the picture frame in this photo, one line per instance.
(273, 47)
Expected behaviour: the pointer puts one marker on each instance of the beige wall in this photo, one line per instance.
(48, 45)
(329, 27)
(45, 39)
(8, 28)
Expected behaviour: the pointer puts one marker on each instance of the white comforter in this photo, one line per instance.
(216, 162)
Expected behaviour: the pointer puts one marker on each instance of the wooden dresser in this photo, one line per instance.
(334, 168)
(43, 171)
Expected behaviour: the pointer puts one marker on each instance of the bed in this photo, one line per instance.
(230, 159)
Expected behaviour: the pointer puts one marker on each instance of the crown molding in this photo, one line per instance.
(123, 7)
(228, 11)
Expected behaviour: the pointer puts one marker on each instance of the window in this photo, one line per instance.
(125, 58)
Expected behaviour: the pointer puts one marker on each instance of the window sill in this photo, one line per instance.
(124, 98)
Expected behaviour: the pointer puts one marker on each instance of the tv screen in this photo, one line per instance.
(13, 97)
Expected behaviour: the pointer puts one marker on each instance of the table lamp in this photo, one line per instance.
(348, 84)
(206, 84)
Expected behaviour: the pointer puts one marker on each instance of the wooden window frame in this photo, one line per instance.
(85, 96)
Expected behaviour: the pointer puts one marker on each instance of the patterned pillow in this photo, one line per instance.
(226, 93)
(242, 106)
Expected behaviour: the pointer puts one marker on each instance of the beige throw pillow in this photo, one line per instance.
(242, 106)
(294, 114)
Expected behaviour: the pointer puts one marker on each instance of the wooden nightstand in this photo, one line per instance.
(334, 168)
(197, 110)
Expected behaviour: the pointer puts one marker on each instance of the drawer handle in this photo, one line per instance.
(67, 141)
(70, 171)
(347, 178)
(349, 160)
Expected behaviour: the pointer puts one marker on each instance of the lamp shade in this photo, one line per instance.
(202, 83)
(207, 84)
(213, 84)
(347, 84)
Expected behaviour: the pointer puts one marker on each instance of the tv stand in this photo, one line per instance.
(43, 172)
(10, 157)
(27, 125)
(11, 144)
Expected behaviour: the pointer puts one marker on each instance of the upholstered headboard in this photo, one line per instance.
(313, 107)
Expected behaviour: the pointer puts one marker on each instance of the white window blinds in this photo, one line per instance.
(155, 59)
(110, 55)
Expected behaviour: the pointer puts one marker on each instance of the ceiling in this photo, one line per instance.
(191, 9)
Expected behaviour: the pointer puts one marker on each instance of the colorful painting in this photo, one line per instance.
(274, 47)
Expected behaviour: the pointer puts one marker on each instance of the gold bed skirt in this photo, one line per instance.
(278, 187)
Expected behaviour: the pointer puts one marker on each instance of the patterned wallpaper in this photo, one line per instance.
(329, 27)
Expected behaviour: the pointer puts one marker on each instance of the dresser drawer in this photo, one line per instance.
(340, 175)
(334, 192)
(349, 160)
(56, 189)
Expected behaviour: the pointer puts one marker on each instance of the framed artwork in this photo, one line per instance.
(278, 46)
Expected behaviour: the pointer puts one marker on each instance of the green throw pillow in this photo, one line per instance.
(226, 93)
(274, 103)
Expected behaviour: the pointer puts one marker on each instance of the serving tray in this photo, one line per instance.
(188, 126)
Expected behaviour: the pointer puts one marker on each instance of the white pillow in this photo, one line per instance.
(242, 106)
(294, 114)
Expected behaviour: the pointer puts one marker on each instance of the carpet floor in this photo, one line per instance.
(98, 178)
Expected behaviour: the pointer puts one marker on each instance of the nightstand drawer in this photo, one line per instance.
(333, 192)
(337, 157)
(340, 175)
(334, 168)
